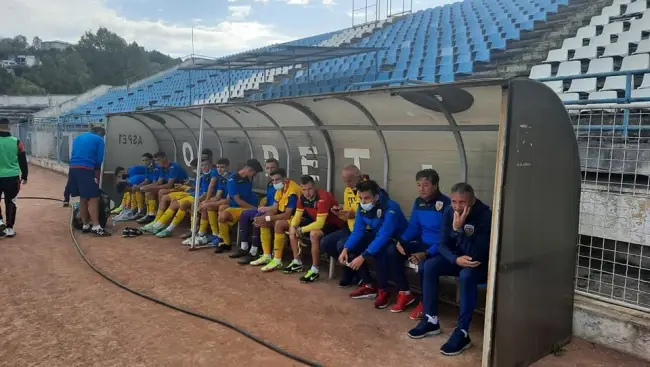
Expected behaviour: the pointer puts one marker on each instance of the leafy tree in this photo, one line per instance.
(98, 58)
(36, 43)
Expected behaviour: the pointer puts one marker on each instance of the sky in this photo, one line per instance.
(221, 27)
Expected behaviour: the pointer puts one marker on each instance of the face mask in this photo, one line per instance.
(367, 206)
(278, 186)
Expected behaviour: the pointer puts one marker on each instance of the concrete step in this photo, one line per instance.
(533, 46)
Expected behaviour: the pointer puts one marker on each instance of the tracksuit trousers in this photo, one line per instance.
(468, 278)
(9, 188)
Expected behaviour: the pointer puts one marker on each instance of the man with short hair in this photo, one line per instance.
(386, 222)
(136, 176)
(420, 239)
(83, 177)
(463, 252)
(13, 170)
(242, 197)
(218, 195)
(277, 217)
(253, 240)
(333, 243)
(180, 207)
(208, 209)
(171, 176)
(315, 219)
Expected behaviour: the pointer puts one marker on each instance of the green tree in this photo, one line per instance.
(101, 57)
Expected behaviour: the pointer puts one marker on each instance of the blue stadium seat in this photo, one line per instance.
(432, 45)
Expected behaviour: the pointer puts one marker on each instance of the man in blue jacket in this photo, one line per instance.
(385, 222)
(83, 177)
(420, 240)
(462, 252)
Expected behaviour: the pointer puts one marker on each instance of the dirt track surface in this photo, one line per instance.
(55, 311)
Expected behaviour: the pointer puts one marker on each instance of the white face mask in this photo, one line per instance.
(278, 186)
(367, 206)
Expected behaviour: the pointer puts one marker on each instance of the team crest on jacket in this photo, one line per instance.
(469, 229)
(439, 205)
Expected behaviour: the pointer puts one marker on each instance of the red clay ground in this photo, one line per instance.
(55, 311)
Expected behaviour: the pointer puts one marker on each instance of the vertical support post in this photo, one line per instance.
(629, 78)
(229, 86)
(58, 142)
(197, 184)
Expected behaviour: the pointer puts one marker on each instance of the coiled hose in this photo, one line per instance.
(200, 315)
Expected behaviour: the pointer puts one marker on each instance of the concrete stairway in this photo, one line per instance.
(533, 46)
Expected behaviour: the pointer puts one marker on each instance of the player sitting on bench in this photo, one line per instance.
(277, 217)
(171, 178)
(314, 219)
(242, 197)
(209, 219)
(137, 176)
(180, 207)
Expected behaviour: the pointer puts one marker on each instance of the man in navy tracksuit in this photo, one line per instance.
(462, 252)
(420, 240)
(83, 177)
(386, 222)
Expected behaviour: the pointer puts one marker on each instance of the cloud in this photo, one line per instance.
(67, 20)
(298, 2)
(239, 12)
(329, 2)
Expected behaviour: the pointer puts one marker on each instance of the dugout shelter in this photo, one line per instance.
(510, 139)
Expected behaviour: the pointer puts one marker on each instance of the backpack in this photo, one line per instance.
(104, 212)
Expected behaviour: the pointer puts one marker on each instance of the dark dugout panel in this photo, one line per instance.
(539, 228)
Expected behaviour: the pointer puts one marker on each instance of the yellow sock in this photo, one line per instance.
(192, 223)
(159, 213)
(151, 207)
(180, 215)
(224, 233)
(134, 201)
(213, 218)
(139, 197)
(203, 226)
(166, 217)
(265, 237)
(125, 199)
(278, 245)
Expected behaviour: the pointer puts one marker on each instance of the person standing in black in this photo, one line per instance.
(13, 170)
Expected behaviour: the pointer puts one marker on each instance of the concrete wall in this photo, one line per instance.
(613, 326)
(64, 106)
(33, 101)
(620, 215)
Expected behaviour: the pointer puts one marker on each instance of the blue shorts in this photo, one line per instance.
(81, 183)
(135, 180)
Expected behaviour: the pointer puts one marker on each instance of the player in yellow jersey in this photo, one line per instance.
(333, 243)
(287, 193)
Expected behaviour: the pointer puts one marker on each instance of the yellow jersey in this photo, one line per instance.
(284, 197)
(350, 202)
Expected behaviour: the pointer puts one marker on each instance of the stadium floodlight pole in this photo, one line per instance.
(197, 184)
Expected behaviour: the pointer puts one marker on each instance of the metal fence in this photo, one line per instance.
(47, 139)
(613, 261)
